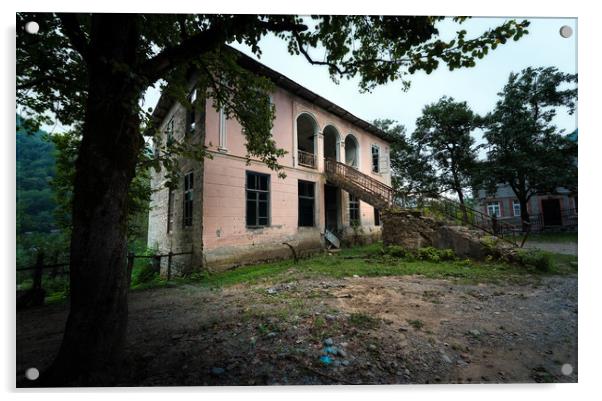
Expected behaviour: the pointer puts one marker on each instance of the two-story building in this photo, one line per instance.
(557, 210)
(229, 211)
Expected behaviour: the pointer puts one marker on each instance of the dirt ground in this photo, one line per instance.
(337, 331)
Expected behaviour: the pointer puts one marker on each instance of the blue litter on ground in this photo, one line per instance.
(330, 350)
(325, 359)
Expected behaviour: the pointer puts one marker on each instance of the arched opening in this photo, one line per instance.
(307, 128)
(352, 154)
(331, 142)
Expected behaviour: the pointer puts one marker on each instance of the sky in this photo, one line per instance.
(478, 86)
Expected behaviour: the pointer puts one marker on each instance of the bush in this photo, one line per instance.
(431, 254)
(538, 260)
(144, 274)
(396, 251)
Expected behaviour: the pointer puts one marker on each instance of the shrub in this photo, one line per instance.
(431, 254)
(143, 274)
(540, 261)
(396, 251)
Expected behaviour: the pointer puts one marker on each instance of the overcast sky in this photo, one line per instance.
(543, 46)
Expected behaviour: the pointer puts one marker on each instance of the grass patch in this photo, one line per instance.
(416, 323)
(363, 321)
(565, 237)
(375, 261)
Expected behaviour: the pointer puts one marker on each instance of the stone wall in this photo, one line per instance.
(411, 230)
(181, 238)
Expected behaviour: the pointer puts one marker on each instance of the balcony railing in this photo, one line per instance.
(306, 159)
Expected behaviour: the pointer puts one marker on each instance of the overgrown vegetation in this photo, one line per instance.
(373, 260)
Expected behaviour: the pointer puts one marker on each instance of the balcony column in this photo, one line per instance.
(319, 151)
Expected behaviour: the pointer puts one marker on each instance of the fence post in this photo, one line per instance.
(156, 261)
(169, 257)
(130, 266)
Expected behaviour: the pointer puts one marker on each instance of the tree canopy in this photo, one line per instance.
(53, 65)
(524, 148)
(443, 133)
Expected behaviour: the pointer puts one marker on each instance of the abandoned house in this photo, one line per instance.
(229, 212)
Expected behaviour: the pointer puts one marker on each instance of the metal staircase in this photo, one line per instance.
(382, 196)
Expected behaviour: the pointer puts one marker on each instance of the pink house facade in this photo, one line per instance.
(229, 212)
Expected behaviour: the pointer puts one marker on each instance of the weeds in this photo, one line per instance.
(417, 324)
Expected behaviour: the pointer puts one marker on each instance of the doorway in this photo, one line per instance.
(551, 212)
(332, 196)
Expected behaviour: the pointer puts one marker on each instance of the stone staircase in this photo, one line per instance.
(359, 184)
(381, 196)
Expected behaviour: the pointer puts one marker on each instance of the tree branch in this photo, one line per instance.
(193, 46)
(73, 31)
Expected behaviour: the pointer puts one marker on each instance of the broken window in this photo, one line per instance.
(375, 159)
(169, 132)
(376, 217)
(188, 196)
(258, 199)
(354, 209)
(170, 210)
(190, 113)
(306, 203)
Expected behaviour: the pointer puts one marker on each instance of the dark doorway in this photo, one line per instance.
(551, 212)
(331, 207)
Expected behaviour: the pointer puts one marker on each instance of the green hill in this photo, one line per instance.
(35, 170)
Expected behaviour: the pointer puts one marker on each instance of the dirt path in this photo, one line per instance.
(367, 330)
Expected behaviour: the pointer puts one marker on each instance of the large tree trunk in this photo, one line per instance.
(96, 326)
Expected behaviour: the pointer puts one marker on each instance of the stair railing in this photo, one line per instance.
(366, 183)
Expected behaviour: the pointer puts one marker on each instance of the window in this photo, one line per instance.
(188, 195)
(354, 209)
(190, 113)
(376, 217)
(170, 210)
(493, 209)
(375, 159)
(516, 208)
(222, 130)
(258, 199)
(169, 130)
(306, 203)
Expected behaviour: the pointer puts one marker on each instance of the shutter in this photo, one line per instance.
(383, 162)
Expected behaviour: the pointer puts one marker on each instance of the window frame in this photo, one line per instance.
(306, 197)
(191, 114)
(352, 201)
(169, 131)
(257, 200)
(171, 203)
(515, 204)
(375, 167)
(494, 203)
(188, 200)
(377, 220)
